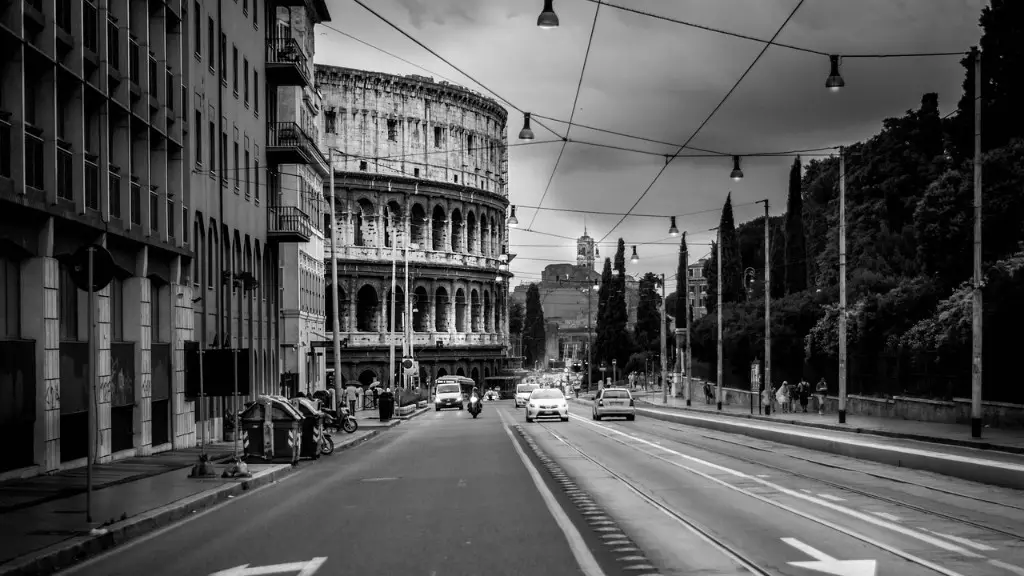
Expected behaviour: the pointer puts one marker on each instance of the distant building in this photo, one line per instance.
(698, 286)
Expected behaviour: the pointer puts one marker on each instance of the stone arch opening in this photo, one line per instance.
(488, 312)
(367, 309)
(420, 315)
(366, 225)
(471, 232)
(342, 309)
(392, 224)
(460, 310)
(460, 371)
(456, 230)
(437, 227)
(418, 225)
(487, 371)
(441, 373)
(474, 309)
(399, 310)
(441, 310)
(366, 377)
(485, 236)
(475, 375)
(495, 240)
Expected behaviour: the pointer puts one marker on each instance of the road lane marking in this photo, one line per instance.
(961, 540)
(1008, 567)
(829, 565)
(304, 568)
(832, 498)
(887, 516)
(587, 563)
(894, 527)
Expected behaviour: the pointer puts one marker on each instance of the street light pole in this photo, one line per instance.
(391, 364)
(842, 285)
(664, 347)
(590, 300)
(718, 385)
(767, 300)
(977, 309)
(335, 312)
(685, 359)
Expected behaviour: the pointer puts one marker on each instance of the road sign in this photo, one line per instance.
(410, 367)
(102, 268)
(826, 564)
(755, 376)
(304, 568)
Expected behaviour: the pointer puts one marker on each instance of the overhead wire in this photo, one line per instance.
(709, 117)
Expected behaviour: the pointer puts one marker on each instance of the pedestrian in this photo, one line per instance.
(821, 390)
(351, 397)
(783, 396)
(766, 399)
(804, 391)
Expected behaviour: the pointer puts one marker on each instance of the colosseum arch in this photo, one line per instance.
(421, 314)
(441, 309)
(342, 309)
(460, 310)
(367, 309)
(485, 235)
(456, 244)
(438, 224)
(418, 226)
(460, 371)
(441, 372)
(474, 374)
(495, 240)
(393, 225)
(488, 311)
(399, 310)
(471, 232)
(366, 224)
(474, 311)
(367, 376)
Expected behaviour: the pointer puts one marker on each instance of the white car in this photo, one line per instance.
(547, 403)
(523, 392)
(614, 402)
(448, 396)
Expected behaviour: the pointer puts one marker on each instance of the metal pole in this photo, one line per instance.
(686, 314)
(590, 300)
(90, 392)
(976, 371)
(767, 301)
(664, 345)
(202, 408)
(234, 359)
(335, 312)
(842, 285)
(391, 364)
(718, 385)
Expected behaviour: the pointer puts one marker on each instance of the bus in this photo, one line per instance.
(467, 384)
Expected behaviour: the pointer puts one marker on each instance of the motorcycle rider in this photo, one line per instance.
(476, 394)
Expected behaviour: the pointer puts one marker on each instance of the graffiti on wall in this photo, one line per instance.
(121, 388)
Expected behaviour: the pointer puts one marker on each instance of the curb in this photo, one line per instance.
(866, 431)
(65, 554)
(608, 532)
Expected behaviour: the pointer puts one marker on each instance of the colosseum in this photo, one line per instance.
(420, 172)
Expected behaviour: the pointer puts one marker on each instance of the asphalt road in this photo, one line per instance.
(440, 494)
(767, 506)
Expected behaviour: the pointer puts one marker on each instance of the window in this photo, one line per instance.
(248, 191)
(469, 144)
(213, 149)
(170, 218)
(437, 136)
(224, 58)
(156, 306)
(10, 300)
(416, 172)
(245, 80)
(197, 15)
(223, 155)
(234, 67)
(256, 177)
(210, 38)
(255, 13)
(199, 139)
(245, 6)
(210, 247)
(68, 311)
(393, 130)
(329, 123)
(117, 309)
(256, 91)
(237, 167)
(362, 165)
(154, 211)
(184, 224)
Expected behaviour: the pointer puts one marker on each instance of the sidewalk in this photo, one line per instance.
(996, 439)
(45, 528)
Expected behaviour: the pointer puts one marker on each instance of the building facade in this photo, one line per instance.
(698, 286)
(421, 168)
(94, 124)
(296, 172)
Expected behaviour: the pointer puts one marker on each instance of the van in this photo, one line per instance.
(523, 392)
(448, 395)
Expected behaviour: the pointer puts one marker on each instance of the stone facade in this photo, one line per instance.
(443, 198)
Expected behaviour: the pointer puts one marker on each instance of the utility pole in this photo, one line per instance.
(767, 300)
(335, 312)
(664, 345)
(976, 352)
(686, 294)
(842, 285)
(391, 362)
(718, 385)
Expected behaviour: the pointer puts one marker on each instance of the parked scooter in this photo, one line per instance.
(341, 419)
(475, 406)
(326, 443)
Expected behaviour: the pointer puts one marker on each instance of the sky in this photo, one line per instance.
(661, 80)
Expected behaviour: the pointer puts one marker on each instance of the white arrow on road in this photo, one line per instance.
(304, 568)
(828, 565)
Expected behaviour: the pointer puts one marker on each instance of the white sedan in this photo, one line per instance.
(547, 403)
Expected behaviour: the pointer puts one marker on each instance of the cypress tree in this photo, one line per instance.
(796, 242)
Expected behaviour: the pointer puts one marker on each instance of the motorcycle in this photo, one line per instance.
(326, 443)
(474, 406)
(341, 419)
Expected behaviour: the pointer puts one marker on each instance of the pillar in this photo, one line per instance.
(104, 383)
(40, 322)
(184, 425)
(137, 304)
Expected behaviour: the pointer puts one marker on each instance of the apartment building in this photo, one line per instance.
(94, 123)
(297, 170)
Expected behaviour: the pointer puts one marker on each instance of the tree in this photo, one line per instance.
(796, 243)
(616, 337)
(682, 299)
(533, 327)
(602, 342)
(710, 272)
(516, 317)
(647, 331)
(732, 268)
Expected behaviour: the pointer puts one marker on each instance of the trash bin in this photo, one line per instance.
(271, 428)
(312, 427)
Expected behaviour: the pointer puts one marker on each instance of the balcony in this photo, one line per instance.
(92, 182)
(65, 172)
(288, 224)
(289, 144)
(135, 198)
(286, 63)
(114, 175)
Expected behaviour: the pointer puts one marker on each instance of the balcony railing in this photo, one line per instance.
(154, 210)
(35, 160)
(92, 182)
(65, 172)
(419, 256)
(5, 144)
(115, 193)
(135, 197)
(289, 224)
(288, 135)
(287, 52)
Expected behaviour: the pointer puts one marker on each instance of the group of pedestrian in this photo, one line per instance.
(786, 396)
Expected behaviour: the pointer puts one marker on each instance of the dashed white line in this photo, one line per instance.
(961, 540)
(887, 516)
(831, 497)
(1008, 567)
